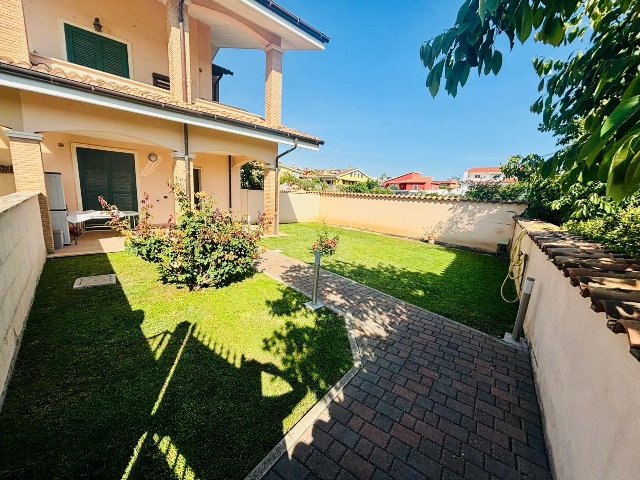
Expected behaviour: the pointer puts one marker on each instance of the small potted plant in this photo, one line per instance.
(431, 233)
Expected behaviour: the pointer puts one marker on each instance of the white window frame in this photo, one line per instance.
(63, 43)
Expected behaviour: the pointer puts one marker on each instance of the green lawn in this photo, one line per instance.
(206, 382)
(459, 284)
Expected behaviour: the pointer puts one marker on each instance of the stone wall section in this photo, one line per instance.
(22, 256)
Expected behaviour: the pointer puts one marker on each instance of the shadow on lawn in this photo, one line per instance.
(92, 397)
(467, 290)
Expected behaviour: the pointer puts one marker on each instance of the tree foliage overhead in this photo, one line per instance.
(590, 102)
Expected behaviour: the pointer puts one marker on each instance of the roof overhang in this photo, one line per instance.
(81, 92)
(256, 24)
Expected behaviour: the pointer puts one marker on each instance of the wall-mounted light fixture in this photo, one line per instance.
(152, 157)
(60, 144)
(96, 25)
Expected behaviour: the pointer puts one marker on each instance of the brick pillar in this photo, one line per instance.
(28, 174)
(270, 192)
(273, 86)
(180, 175)
(13, 33)
(175, 55)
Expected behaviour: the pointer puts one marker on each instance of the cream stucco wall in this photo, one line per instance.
(141, 23)
(22, 255)
(251, 203)
(299, 207)
(477, 225)
(587, 380)
(65, 123)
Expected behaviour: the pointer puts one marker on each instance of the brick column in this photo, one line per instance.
(180, 175)
(270, 192)
(13, 33)
(174, 53)
(273, 86)
(28, 174)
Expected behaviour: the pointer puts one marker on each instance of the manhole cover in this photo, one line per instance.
(95, 281)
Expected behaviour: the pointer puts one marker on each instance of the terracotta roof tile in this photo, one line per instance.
(152, 93)
(609, 279)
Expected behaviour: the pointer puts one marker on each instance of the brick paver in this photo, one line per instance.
(433, 400)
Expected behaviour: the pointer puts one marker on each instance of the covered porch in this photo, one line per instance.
(127, 158)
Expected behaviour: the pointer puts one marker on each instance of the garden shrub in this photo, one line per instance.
(209, 247)
(619, 231)
(145, 239)
(204, 247)
(324, 243)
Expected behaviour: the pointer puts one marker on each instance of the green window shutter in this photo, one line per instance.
(82, 46)
(95, 51)
(114, 57)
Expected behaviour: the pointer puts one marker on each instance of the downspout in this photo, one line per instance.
(185, 99)
(277, 219)
(230, 183)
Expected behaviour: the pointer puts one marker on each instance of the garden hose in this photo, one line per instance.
(516, 260)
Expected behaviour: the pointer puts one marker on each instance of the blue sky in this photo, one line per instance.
(365, 95)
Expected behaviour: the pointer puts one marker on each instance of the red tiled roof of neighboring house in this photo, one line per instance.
(144, 92)
(409, 177)
(610, 280)
(484, 170)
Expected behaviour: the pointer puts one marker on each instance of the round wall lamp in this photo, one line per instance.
(152, 157)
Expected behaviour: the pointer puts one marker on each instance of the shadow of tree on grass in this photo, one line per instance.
(93, 397)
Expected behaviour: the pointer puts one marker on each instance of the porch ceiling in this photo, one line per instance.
(248, 24)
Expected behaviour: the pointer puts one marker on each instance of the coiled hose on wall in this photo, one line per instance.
(516, 270)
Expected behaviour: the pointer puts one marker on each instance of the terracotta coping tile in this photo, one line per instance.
(611, 280)
(631, 328)
(574, 273)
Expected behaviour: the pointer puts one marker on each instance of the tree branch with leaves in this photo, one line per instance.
(590, 101)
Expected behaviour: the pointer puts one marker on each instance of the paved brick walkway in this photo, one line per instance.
(433, 399)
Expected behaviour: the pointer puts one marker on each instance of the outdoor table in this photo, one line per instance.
(78, 219)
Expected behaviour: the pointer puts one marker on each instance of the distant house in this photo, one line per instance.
(410, 181)
(483, 174)
(291, 170)
(343, 176)
(451, 184)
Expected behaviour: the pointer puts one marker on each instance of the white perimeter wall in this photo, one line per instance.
(589, 384)
(22, 255)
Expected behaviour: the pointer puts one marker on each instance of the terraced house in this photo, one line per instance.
(119, 97)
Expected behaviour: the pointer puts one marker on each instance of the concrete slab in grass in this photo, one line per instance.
(94, 281)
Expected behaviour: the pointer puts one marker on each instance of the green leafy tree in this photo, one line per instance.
(252, 176)
(590, 102)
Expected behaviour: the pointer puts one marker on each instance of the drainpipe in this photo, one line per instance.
(277, 219)
(185, 99)
(230, 205)
(183, 50)
(187, 167)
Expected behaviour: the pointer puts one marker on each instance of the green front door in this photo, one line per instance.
(109, 174)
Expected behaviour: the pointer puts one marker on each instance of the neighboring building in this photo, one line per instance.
(344, 176)
(451, 184)
(482, 174)
(412, 181)
(109, 94)
(291, 170)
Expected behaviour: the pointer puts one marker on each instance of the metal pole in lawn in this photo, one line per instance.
(522, 309)
(314, 304)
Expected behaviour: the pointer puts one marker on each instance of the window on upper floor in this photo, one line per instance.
(96, 51)
(476, 176)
